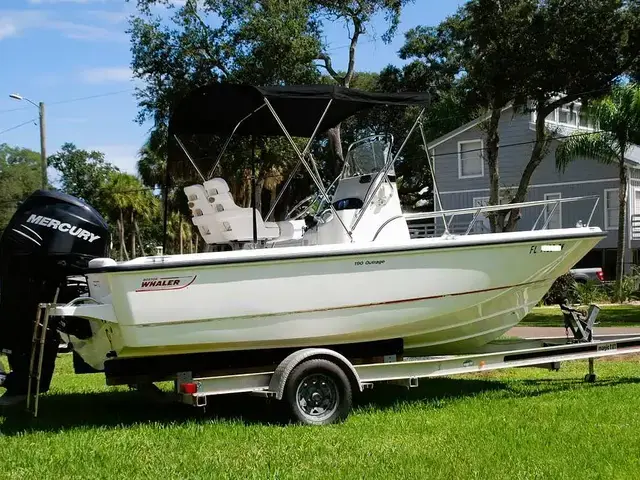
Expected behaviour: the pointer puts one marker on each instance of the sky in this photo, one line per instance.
(74, 56)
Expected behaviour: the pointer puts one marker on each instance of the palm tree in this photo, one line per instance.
(128, 199)
(151, 164)
(617, 117)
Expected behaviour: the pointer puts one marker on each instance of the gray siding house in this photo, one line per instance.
(462, 178)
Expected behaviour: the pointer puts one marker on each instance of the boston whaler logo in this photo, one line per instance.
(63, 227)
(165, 283)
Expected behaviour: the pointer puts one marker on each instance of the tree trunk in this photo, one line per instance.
(493, 138)
(247, 189)
(258, 194)
(537, 154)
(133, 236)
(622, 227)
(180, 233)
(120, 237)
(335, 144)
(140, 243)
(272, 201)
(123, 248)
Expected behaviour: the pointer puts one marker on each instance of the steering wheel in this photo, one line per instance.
(304, 206)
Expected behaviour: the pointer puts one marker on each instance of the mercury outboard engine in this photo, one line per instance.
(51, 236)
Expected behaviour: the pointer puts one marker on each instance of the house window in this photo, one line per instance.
(553, 216)
(470, 159)
(568, 116)
(584, 123)
(611, 204)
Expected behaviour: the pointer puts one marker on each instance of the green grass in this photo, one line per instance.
(609, 316)
(515, 424)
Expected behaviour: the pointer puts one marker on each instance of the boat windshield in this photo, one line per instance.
(368, 156)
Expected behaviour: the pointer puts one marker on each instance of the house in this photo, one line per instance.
(462, 178)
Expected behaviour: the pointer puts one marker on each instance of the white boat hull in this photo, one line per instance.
(438, 295)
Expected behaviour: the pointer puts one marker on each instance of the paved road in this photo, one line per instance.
(533, 332)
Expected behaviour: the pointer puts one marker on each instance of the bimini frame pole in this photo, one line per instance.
(253, 191)
(167, 179)
(317, 181)
(189, 157)
(226, 144)
(436, 192)
(283, 189)
(383, 175)
(297, 167)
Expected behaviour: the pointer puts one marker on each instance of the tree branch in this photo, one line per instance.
(327, 65)
(542, 141)
(357, 30)
(207, 48)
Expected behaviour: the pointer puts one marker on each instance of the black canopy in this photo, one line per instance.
(217, 108)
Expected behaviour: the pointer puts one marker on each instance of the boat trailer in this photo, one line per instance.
(318, 384)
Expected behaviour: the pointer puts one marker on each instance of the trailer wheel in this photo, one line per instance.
(318, 392)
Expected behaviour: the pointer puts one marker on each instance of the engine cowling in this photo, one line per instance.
(51, 236)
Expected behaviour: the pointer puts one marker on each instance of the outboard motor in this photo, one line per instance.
(51, 236)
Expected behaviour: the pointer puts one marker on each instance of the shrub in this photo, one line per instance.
(590, 292)
(563, 289)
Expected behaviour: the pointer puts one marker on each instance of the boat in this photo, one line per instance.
(340, 269)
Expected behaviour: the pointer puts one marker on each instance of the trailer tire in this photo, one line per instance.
(318, 392)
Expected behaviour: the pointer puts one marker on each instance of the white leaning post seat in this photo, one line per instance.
(224, 221)
(202, 212)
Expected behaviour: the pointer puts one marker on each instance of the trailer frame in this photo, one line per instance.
(547, 353)
(517, 353)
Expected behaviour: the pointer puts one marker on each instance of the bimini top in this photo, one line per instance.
(218, 108)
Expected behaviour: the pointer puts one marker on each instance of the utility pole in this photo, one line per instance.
(43, 150)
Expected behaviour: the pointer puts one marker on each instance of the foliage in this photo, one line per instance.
(617, 117)
(530, 54)
(357, 14)
(626, 288)
(127, 202)
(562, 291)
(83, 174)
(264, 42)
(127, 205)
(608, 29)
(20, 170)
(591, 291)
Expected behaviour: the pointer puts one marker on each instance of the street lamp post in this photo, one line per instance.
(43, 150)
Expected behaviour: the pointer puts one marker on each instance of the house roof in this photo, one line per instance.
(463, 128)
(633, 155)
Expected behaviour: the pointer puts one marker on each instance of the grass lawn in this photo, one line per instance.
(610, 316)
(515, 424)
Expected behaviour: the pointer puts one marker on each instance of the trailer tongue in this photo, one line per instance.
(34, 265)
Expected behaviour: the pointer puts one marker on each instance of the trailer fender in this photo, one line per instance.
(281, 374)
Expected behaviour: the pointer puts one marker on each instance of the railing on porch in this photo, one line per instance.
(443, 221)
(635, 227)
(425, 230)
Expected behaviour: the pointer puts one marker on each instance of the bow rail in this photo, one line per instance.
(448, 216)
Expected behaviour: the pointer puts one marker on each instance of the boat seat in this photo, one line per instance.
(199, 202)
(220, 220)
